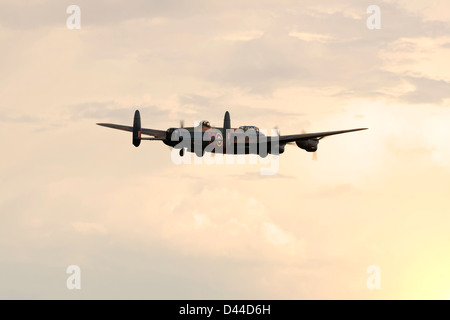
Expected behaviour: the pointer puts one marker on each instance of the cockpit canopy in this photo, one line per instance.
(246, 128)
(206, 123)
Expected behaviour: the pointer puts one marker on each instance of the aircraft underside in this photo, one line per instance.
(236, 149)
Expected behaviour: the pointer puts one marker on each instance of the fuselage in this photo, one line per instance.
(204, 138)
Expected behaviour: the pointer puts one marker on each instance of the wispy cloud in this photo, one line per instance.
(244, 35)
(311, 37)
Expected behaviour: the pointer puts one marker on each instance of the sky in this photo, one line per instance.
(139, 226)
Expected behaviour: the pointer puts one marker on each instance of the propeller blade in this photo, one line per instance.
(181, 123)
(277, 130)
(314, 156)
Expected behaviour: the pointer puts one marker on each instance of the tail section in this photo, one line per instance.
(137, 129)
(226, 121)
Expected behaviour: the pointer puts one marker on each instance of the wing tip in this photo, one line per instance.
(105, 124)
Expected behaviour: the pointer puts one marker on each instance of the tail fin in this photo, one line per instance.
(226, 121)
(137, 129)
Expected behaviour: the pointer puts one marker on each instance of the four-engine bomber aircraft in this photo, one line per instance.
(242, 140)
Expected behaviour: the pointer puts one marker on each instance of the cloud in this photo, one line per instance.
(311, 37)
(427, 91)
(89, 228)
(45, 13)
(24, 118)
(336, 191)
(244, 35)
(102, 111)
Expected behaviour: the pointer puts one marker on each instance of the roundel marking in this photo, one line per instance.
(219, 139)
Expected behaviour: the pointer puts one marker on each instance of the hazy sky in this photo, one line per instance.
(138, 226)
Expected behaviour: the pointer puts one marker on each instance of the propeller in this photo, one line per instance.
(181, 123)
(213, 154)
(278, 130)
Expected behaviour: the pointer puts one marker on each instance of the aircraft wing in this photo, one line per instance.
(149, 132)
(317, 135)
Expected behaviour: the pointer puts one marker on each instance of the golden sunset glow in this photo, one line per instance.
(139, 226)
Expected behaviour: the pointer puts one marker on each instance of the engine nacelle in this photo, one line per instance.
(173, 136)
(309, 145)
(280, 149)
